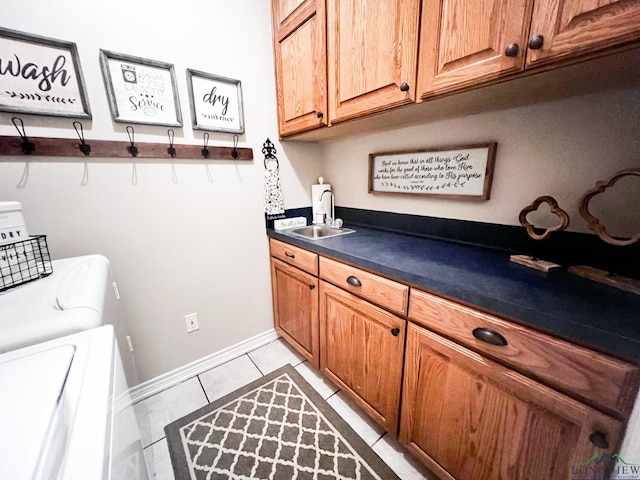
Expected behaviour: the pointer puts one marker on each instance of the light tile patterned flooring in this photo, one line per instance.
(158, 410)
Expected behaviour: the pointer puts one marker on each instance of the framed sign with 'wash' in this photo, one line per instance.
(462, 172)
(41, 76)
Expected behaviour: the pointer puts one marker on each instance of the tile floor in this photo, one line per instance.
(158, 410)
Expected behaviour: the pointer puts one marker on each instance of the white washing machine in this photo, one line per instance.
(79, 295)
(66, 362)
(65, 412)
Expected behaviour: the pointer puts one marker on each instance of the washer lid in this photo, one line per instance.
(34, 426)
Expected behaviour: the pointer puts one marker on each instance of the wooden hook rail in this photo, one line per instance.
(71, 148)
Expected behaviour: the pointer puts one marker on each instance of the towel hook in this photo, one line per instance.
(26, 146)
(133, 150)
(171, 151)
(234, 152)
(84, 147)
(205, 151)
(269, 151)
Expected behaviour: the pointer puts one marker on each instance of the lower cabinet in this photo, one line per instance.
(469, 418)
(361, 350)
(295, 302)
(482, 397)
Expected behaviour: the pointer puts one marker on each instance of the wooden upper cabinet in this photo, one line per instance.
(466, 41)
(372, 51)
(575, 27)
(299, 40)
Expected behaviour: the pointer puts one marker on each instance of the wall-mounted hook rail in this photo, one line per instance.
(66, 150)
(26, 146)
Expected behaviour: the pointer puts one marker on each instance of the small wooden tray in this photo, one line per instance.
(602, 276)
(535, 263)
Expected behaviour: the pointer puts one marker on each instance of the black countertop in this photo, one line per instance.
(560, 303)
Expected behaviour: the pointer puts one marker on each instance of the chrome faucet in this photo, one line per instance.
(331, 221)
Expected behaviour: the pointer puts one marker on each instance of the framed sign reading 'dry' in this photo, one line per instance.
(41, 76)
(216, 102)
(455, 172)
(140, 90)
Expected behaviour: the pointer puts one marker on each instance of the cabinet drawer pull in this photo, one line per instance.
(290, 255)
(312, 286)
(354, 281)
(599, 439)
(489, 336)
(395, 332)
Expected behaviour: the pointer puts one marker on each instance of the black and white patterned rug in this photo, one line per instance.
(277, 427)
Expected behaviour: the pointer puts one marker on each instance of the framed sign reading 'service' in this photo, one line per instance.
(41, 76)
(140, 90)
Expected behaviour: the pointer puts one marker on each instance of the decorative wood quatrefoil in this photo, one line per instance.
(555, 209)
(593, 223)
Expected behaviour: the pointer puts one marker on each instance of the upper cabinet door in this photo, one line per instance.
(372, 51)
(561, 28)
(464, 42)
(299, 39)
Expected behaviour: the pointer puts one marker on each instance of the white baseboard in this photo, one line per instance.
(174, 377)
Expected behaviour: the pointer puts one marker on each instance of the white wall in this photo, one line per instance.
(188, 237)
(560, 148)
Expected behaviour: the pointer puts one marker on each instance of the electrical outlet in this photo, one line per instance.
(192, 322)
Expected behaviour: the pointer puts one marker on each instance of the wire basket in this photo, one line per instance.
(24, 261)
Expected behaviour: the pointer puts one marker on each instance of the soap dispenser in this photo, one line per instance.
(318, 205)
(321, 215)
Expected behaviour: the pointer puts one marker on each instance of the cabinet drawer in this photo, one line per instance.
(598, 379)
(299, 257)
(379, 290)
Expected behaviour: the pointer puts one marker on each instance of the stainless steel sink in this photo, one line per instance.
(317, 232)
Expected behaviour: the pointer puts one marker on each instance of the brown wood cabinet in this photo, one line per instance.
(576, 27)
(295, 298)
(603, 382)
(338, 60)
(299, 42)
(372, 51)
(361, 350)
(468, 42)
(468, 418)
(473, 396)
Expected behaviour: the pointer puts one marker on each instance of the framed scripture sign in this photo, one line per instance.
(41, 76)
(216, 102)
(140, 90)
(456, 172)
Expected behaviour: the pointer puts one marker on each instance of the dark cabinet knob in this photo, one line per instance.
(489, 336)
(319, 114)
(599, 439)
(312, 286)
(512, 50)
(354, 281)
(536, 42)
(404, 87)
(395, 332)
